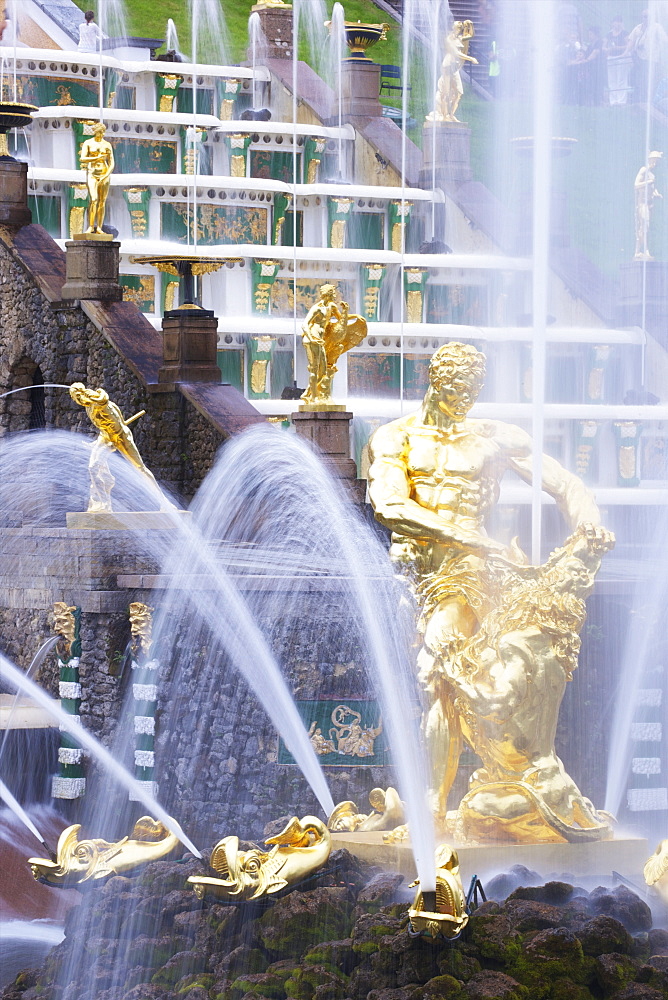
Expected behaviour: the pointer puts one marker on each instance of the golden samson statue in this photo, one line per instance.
(329, 331)
(500, 638)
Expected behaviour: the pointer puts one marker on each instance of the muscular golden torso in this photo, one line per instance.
(456, 475)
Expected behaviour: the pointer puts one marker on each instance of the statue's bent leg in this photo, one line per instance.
(451, 620)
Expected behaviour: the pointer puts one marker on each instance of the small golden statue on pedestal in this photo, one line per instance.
(97, 158)
(450, 89)
(500, 638)
(645, 192)
(115, 435)
(328, 332)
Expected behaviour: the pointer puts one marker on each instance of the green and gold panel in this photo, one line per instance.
(347, 733)
(231, 364)
(275, 165)
(308, 290)
(416, 375)
(215, 223)
(373, 375)
(287, 238)
(46, 212)
(143, 156)
(465, 304)
(184, 100)
(282, 372)
(140, 289)
(366, 230)
(56, 91)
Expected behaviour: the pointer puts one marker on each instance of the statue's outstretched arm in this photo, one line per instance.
(574, 500)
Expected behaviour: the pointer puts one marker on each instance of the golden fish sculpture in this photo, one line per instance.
(95, 861)
(299, 849)
(449, 916)
(656, 871)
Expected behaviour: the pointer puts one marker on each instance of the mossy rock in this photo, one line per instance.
(302, 919)
(491, 985)
(566, 989)
(204, 980)
(456, 963)
(604, 935)
(241, 960)
(184, 963)
(337, 955)
(551, 954)
(304, 982)
(614, 971)
(370, 929)
(440, 988)
(494, 937)
(623, 905)
(258, 984)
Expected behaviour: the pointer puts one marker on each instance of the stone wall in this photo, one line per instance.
(58, 343)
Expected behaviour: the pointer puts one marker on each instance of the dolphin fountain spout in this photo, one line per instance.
(299, 849)
(449, 915)
(95, 861)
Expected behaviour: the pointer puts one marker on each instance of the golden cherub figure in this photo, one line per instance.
(97, 158)
(115, 435)
(328, 332)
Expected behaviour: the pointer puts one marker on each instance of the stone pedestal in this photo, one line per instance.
(126, 520)
(189, 346)
(360, 83)
(329, 430)
(14, 211)
(447, 146)
(276, 24)
(596, 860)
(91, 270)
(649, 280)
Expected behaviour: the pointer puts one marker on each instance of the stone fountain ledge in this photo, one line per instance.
(346, 936)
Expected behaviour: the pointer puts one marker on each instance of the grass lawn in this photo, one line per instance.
(148, 18)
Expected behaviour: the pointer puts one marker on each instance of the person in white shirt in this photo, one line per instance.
(89, 34)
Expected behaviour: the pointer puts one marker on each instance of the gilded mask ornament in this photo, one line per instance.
(450, 916)
(298, 850)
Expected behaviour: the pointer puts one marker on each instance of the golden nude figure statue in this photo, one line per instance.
(329, 331)
(449, 90)
(115, 435)
(97, 159)
(645, 192)
(433, 480)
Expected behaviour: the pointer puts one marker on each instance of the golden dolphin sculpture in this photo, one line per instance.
(656, 870)
(299, 849)
(449, 916)
(79, 861)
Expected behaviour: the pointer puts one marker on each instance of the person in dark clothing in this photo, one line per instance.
(592, 68)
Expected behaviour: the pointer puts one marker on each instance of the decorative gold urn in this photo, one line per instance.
(361, 36)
